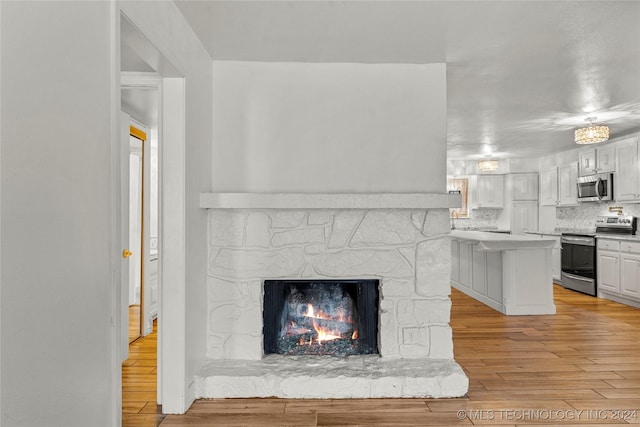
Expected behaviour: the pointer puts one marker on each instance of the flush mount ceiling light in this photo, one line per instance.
(487, 165)
(592, 134)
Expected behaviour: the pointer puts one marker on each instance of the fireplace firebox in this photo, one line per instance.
(320, 317)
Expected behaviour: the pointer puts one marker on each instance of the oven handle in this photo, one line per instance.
(577, 240)
(573, 276)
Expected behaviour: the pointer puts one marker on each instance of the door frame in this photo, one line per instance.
(172, 390)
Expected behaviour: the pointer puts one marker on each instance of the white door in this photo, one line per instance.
(135, 220)
(132, 232)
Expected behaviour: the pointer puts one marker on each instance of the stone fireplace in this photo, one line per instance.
(342, 241)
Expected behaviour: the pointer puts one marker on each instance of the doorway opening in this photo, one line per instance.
(137, 138)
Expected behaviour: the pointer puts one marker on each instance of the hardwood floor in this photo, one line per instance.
(580, 366)
(134, 322)
(139, 389)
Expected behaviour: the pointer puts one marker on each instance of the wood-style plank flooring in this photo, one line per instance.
(139, 389)
(580, 367)
(134, 322)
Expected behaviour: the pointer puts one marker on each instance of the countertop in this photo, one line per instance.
(545, 233)
(633, 238)
(489, 241)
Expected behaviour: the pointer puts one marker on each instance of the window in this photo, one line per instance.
(459, 185)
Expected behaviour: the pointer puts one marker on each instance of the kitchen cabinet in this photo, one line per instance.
(487, 274)
(524, 186)
(508, 273)
(630, 269)
(524, 217)
(549, 187)
(455, 261)
(607, 261)
(489, 191)
(558, 185)
(556, 255)
(597, 160)
(568, 184)
(618, 265)
(464, 263)
(626, 185)
(588, 162)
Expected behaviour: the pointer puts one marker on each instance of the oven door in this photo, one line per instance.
(579, 263)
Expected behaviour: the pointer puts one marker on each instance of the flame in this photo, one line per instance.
(309, 311)
(325, 334)
(312, 313)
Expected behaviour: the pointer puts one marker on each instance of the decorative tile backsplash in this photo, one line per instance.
(479, 219)
(584, 215)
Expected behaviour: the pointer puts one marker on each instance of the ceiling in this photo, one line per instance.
(521, 75)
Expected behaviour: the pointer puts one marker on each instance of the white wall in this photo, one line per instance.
(56, 213)
(184, 297)
(310, 127)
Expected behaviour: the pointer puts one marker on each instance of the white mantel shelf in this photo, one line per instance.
(329, 201)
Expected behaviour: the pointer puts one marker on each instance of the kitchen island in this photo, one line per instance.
(511, 274)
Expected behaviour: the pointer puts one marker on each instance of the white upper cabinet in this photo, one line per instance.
(597, 160)
(568, 184)
(524, 186)
(588, 162)
(559, 185)
(490, 191)
(549, 187)
(626, 184)
(606, 159)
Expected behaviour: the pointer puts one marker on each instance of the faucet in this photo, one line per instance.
(454, 215)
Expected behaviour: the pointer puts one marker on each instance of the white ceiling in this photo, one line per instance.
(522, 75)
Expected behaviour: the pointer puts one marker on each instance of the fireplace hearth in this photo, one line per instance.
(320, 317)
(375, 281)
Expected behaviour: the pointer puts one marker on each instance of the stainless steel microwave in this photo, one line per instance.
(595, 188)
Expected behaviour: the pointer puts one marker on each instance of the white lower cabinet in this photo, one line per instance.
(465, 264)
(512, 276)
(556, 255)
(618, 264)
(630, 269)
(455, 261)
(478, 270)
(487, 274)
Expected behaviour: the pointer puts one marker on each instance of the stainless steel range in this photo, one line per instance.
(579, 270)
(579, 262)
(619, 224)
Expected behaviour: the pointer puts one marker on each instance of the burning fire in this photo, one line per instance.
(324, 333)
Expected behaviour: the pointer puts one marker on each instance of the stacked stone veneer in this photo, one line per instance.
(407, 250)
